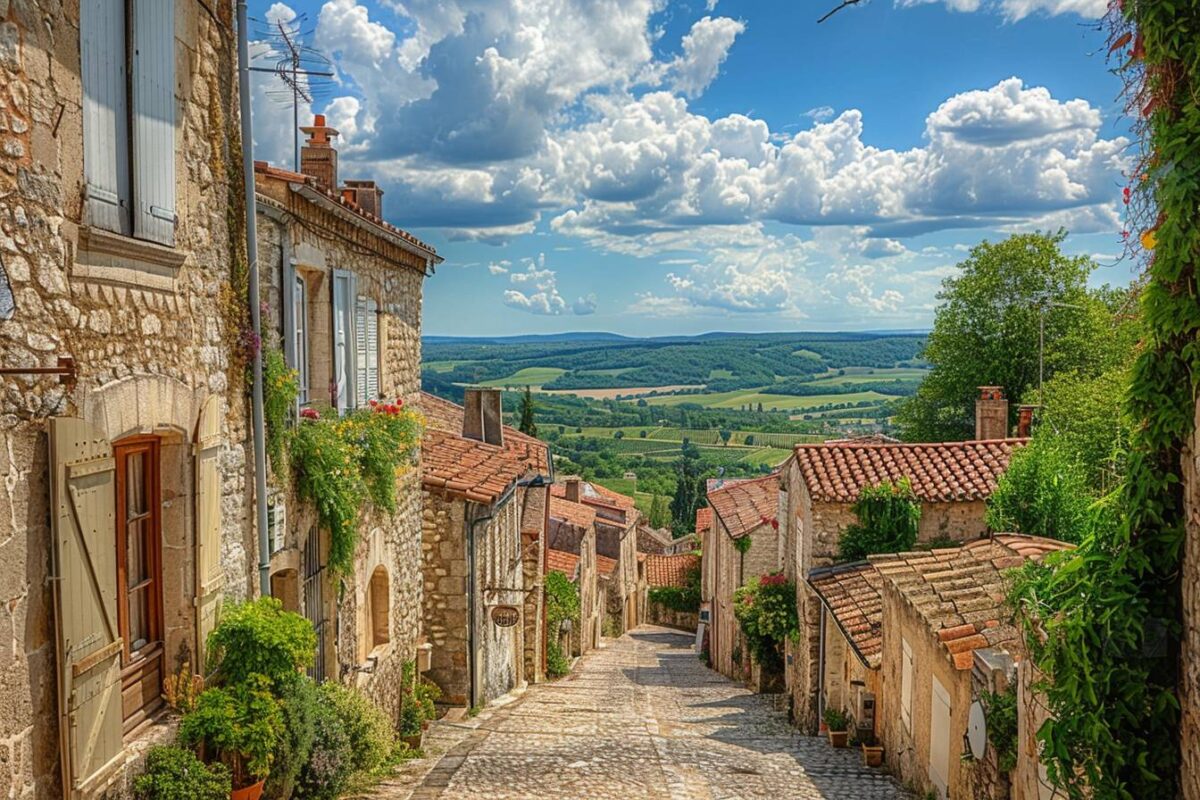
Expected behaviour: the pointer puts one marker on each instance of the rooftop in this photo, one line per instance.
(576, 514)
(744, 505)
(670, 570)
(605, 565)
(471, 469)
(851, 592)
(948, 471)
(703, 519)
(562, 561)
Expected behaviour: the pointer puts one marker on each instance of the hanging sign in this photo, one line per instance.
(505, 616)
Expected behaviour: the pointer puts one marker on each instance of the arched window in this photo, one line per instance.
(378, 608)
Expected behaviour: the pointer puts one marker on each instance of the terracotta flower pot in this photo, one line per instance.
(839, 738)
(251, 792)
(872, 755)
(413, 741)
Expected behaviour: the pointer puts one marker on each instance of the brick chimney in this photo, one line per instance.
(366, 195)
(574, 489)
(318, 159)
(1025, 421)
(483, 417)
(991, 414)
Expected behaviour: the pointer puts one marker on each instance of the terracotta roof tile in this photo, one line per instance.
(670, 570)
(468, 468)
(561, 561)
(605, 565)
(851, 592)
(611, 505)
(704, 518)
(949, 471)
(744, 505)
(576, 514)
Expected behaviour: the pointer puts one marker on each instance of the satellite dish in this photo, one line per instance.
(977, 730)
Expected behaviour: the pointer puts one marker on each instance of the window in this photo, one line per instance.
(314, 599)
(343, 341)
(378, 610)
(300, 333)
(366, 346)
(127, 63)
(139, 577)
(906, 684)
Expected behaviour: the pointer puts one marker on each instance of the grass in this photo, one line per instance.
(443, 366)
(771, 456)
(782, 402)
(861, 376)
(530, 376)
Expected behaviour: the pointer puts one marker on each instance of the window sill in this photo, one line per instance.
(122, 259)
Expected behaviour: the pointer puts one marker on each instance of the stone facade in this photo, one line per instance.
(147, 326)
(731, 570)
(1190, 652)
(844, 675)
(565, 537)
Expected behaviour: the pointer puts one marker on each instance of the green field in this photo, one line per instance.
(783, 402)
(861, 375)
(442, 366)
(530, 376)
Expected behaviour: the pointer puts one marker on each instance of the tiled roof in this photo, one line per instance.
(562, 561)
(576, 514)
(743, 505)
(703, 519)
(596, 494)
(941, 472)
(851, 593)
(533, 516)
(605, 565)
(468, 468)
(265, 169)
(960, 591)
(669, 570)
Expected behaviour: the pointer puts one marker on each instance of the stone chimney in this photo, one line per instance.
(991, 414)
(574, 489)
(483, 417)
(366, 195)
(318, 159)
(1025, 421)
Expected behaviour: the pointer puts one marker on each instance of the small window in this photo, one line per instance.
(378, 608)
(300, 317)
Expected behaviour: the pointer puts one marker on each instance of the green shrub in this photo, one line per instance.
(280, 390)
(889, 517)
(173, 773)
(260, 638)
(1044, 492)
(299, 709)
(1002, 726)
(326, 775)
(410, 719)
(684, 599)
(836, 720)
(765, 609)
(354, 742)
(562, 603)
(239, 725)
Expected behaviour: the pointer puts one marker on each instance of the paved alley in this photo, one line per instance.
(641, 718)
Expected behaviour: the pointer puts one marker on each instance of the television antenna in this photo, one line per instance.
(302, 70)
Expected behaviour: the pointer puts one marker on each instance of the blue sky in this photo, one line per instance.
(647, 167)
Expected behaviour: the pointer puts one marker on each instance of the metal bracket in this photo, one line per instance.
(65, 370)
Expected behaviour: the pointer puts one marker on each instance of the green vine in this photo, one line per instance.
(1103, 624)
(742, 544)
(765, 609)
(1002, 727)
(281, 386)
(340, 463)
(562, 603)
(889, 518)
(684, 599)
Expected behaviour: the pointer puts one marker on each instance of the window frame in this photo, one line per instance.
(136, 665)
(299, 333)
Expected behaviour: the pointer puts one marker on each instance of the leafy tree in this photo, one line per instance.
(726, 435)
(660, 514)
(1044, 492)
(889, 516)
(750, 439)
(689, 490)
(618, 435)
(986, 331)
(527, 425)
(1086, 415)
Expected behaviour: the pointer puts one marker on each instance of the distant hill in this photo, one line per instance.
(602, 336)
(529, 338)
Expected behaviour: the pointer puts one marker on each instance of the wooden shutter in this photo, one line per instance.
(154, 120)
(83, 519)
(343, 332)
(939, 738)
(906, 683)
(105, 113)
(210, 578)
(372, 336)
(361, 366)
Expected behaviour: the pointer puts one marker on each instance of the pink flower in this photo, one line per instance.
(309, 413)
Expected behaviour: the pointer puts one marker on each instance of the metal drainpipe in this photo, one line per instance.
(821, 668)
(256, 412)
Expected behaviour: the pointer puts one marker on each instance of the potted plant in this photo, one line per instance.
(239, 726)
(410, 723)
(173, 773)
(839, 727)
(425, 695)
(872, 750)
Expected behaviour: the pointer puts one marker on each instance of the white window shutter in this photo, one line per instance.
(372, 349)
(89, 644)
(343, 366)
(154, 120)
(361, 364)
(105, 113)
(210, 577)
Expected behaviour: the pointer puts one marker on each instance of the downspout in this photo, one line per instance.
(821, 668)
(256, 405)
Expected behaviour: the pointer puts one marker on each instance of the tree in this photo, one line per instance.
(985, 331)
(660, 514)
(749, 438)
(527, 425)
(689, 490)
(1087, 418)
(726, 435)
(618, 435)
(889, 516)
(1044, 492)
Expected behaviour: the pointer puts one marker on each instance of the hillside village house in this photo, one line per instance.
(123, 484)
(952, 481)
(669, 571)
(946, 628)
(478, 536)
(741, 510)
(571, 550)
(617, 520)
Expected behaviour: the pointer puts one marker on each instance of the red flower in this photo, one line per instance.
(1125, 193)
(373, 402)
(775, 524)
(309, 413)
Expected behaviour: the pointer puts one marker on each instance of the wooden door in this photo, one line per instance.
(210, 577)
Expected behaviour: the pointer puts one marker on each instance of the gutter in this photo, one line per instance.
(256, 403)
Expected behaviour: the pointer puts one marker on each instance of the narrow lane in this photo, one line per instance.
(643, 718)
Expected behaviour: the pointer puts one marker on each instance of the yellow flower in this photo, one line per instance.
(1149, 240)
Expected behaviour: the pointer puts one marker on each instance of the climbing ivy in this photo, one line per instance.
(1103, 623)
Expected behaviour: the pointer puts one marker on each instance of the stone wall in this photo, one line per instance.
(731, 570)
(1190, 653)
(657, 614)
(499, 581)
(844, 673)
(444, 605)
(144, 323)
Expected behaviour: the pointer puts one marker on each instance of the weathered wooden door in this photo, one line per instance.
(83, 503)
(210, 578)
(939, 739)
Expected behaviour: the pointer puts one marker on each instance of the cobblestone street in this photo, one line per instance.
(641, 718)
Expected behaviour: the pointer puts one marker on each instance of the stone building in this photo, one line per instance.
(571, 549)
(742, 510)
(123, 489)
(342, 294)
(670, 571)
(479, 541)
(821, 482)
(653, 540)
(945, 618)
(617, 520)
